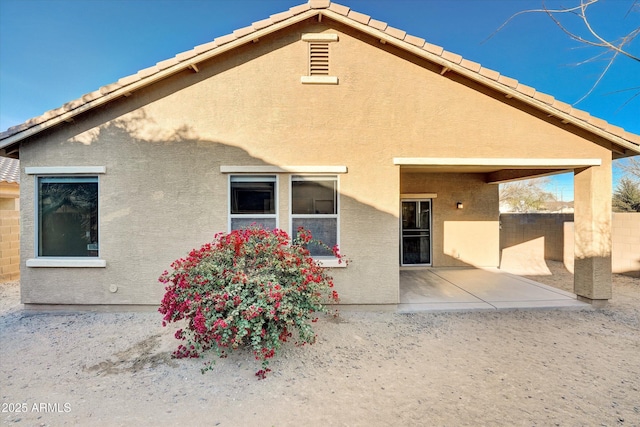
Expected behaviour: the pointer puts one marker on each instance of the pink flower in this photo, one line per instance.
(237, 284)
(199, 322)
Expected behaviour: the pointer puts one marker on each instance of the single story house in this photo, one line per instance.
(318, 116)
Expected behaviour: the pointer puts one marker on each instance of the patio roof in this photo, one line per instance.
(497, 170)
(623, 143)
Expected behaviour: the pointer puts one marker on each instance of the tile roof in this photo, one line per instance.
(448, 60)
(9, 170)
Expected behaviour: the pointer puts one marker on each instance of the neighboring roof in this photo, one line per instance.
(450, 62)
(9, 170)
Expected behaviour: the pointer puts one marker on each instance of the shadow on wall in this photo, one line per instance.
(162, 195)
(625, 244)
(163, 192)
(527, 240)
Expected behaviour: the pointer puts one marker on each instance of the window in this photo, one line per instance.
(314, 206)
(67, 216)
(252, 201)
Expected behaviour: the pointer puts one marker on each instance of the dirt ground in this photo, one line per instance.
(510, 368)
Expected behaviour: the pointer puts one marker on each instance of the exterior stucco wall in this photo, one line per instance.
(163, 193)
(625, 244)
(461, 237)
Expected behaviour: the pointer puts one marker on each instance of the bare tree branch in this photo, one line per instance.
(635, 95)
(543, 10)
(603, 43)
(526, 196)
(633, 6)
(599, 79)
(616, 49)
(632, 167)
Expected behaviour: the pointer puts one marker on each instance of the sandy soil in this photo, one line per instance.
(513, 368)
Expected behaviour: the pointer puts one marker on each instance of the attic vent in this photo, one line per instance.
(319, 58)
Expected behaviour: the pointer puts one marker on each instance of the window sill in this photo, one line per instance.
(331, 262)
(66, 263)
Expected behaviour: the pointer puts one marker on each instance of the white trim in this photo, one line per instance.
(36, 235)
(430, 231)
(66, 263)
(319, 37)
(331, 263)
(276, 196)
(319, 80)
(325, 261)
(518, 162)
(63, 170)
(253, 178)
(418, 196)
(283, 169)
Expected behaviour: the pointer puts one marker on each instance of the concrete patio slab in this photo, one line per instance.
(467, 289)
(424, 286)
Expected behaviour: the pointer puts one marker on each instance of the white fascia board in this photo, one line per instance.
(519, 162)
(64, 170)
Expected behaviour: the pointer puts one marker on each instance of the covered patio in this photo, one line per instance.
(465, 202)
(469, 289)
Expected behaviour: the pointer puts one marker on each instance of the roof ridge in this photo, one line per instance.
(449, 61)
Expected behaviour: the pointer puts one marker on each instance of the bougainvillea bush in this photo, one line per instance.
(250, 287)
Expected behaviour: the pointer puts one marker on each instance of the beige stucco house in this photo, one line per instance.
(318, 116)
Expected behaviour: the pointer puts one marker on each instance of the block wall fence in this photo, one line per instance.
(532, 238)
(9, 244)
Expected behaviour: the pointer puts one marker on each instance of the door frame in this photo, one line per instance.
(417, 199)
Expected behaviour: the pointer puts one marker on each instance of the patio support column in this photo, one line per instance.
(592, 220)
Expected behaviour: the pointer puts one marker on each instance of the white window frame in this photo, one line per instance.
(60, 172)
(326, 261)
(254, 178)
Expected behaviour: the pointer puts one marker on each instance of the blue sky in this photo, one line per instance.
(53, 51)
